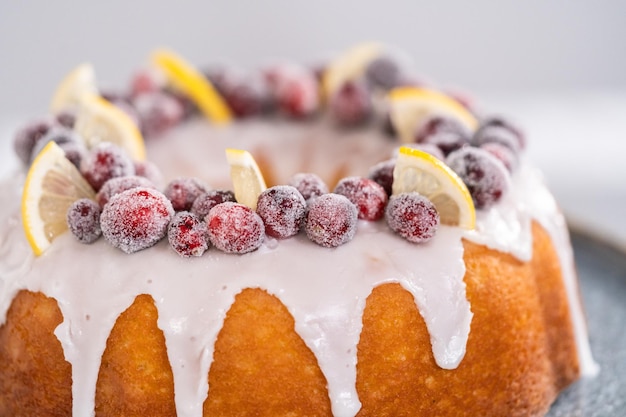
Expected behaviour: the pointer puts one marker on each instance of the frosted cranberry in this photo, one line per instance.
(183, 191)
(246, 96)
(282, 209)
(366, 194)
(188, 235)
(351, 104)
(146, 80)
(150, 171)
(485, 176)
(158, 112)
(310, 185)
(136, 219)
(120, 184)
(503, 153)
(67, 140)
(331, 220)
(383, 72)
(187, 104)
(296, 90)
(83, 220)
(106, 161)
(500, 130)
(446, 141)
(412, 216)
(235, 228)
(66, 118)
(75, 152)
(206, 201)
(28, 135)
(382, 173)
(438, 124)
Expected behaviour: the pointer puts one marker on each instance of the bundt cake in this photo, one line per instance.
(436, 278)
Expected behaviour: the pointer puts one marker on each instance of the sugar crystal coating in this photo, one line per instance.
(136, 219)
(28, 135)
(382, 173)
(106, 161)
(157, 112)
(351, 104)
(183, 191)
(83, 220)
(485, 176)
(188, 234)
(366, 194)
(206, 201)
(412, 216)
(120, 184)
(295, 89)
(235, 228)
(282, 209)
(310, 185)
(331, 220)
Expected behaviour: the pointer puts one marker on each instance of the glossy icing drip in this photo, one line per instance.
(193, 296)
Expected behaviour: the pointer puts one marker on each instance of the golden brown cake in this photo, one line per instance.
(486, 321)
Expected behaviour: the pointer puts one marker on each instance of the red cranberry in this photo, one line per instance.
(206, 201)
(446, 141)
(438, 124)
(158, 112)
(136, 219)
(485, 176)
(382, 173)
(66, 118)
(146, 80)
(295, 89)
(412, 216)
(246, 96)
(120, 184)
(331, 220)
(106, 161)
(351, 104)
(150, 171)
(366, 194)
(282, 209)
(383, 72)
(67, 140)
(498, 129)
(503, 153)
(310, 185)
(188, 235)
(235, 228)
(183, 191)
(83, 220)
(27, 136)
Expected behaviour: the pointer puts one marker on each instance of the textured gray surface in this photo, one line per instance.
(602, 271)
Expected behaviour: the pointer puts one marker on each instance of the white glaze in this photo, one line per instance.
(194, 295)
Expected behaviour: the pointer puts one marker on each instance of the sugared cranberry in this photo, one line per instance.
(183, 191)
(188, 235)
(351, 104)
(382, 173)
(446, 141)
(282, 209)
(438, 124)
(310, 185)
(158, 112)
(485, 176)
(66, 118)
(106, 161)
(295, 89)
(383, 72)
(146, 80)
(206, 201)
(28, 135)
(120, 184)
(331, 220)
(366, 194)
(136, 219)
(246, 96)
(498, 129)
(83, 220)
(503, 153)
(412, 216)
(67, 139)
(235, 228)
(150, 171)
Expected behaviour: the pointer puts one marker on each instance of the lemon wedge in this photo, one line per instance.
(419, 171)
(53, 183)
(188, 80)
(350, 65)
(81, 80)
(248, 181)
(409, 107)
(100, 121)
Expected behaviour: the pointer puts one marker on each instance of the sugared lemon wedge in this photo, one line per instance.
(419, 171)
(81, 80)
(185, 78)
(350, 65)
(248, 181)
(100, 121)
(409, 107)
(53, 183)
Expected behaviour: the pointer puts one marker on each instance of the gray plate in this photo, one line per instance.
(602, 273)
